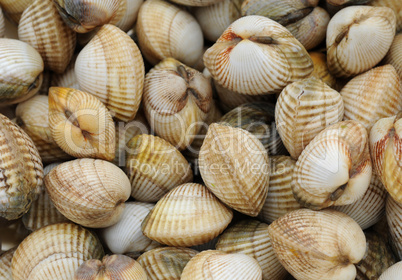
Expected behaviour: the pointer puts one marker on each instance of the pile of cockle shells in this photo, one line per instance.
(201, 139)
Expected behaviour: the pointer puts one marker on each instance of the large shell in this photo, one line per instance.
(5, 264)
(303, 110)
(315, 245)
(42, 27)
(395, 5)
(21, 71)
(55, 252)
(234, 166)
(394, 56)
(89, 192)
(132, 8)
(176, 219)
(372, 30)
(321, 70)
(251, 238)
(80, 124)
(165, 30)
(14, 8)
(21, 170)
(392, 273)
(335, 168)
(394, 219)
(111, 68)
(177, 100)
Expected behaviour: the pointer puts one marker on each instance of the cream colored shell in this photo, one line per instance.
(395, 5)
(393, 272)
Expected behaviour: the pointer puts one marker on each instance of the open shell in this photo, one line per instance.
(394, 219)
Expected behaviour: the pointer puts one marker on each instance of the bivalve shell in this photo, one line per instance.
(5, 264)
(394, 219)
(392, 273)
(14, 8)
(68, 79)
(130, 16)
(395, 5)
(394, 56)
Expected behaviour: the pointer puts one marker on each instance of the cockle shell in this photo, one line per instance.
(14, 8)
(251, 238)
(321, 70)
(304, 109)
(166, 263)
(176, 219)
(392, 273)
(111, 68)
(274, 57)
(234, 166)
(42, 27)
(394, 219)
(165, 30)
(21, 71)
(130, 16)
(372, 30)
(315, 245)
(395, 5)
(217, 265)
(394, 55)
(80, 124)
(177, 99)
(68, 79)
(89, 192)
(335, 167)
(55, 252)
(21, 170)
(5, 264)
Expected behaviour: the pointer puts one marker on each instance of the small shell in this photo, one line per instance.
(394, 56)
(89, 192)
(55, 252)
(80, 124)
(132, 8)
(176, 219)
(234, 166)
(303, 110)
(274, 57)
(5, 264)
(335, 168)
(321, 70)
(395, 5)
(115, 267)
(14, 8)
(316, 245)
(111, 68)
(372, 30)
(217, 265)
(166, 263)
(394, 219)
(392, 273)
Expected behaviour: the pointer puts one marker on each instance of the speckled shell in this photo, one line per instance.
(235, 167)
(5, 264)
(315, 245)
(21, 71)
(111, 68)
(251, 238)
(335, 168)
(303, 110)
(172, 220)
(321, 70)
(372, 30)
(166, 263)
(55, 252)
(130, 16)
(89, 192)
(21, 170)
(392, 273)
(394, 56)
(395, 5)
(394, 219)
(14, 8)
(274, 57)
(165, 30)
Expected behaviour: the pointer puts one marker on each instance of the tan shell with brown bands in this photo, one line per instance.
(394, 219)
(132, 8)
(304, 109)
(393, 273)
(394, 56)
(5, 264)
(321, 70)
(251, 238)
(55, 252)
(176, 218)
(395, 5)
(315, 245)
(14, 8)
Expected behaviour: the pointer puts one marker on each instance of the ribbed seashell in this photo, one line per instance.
(315, 245)
(394, 219)
(217, 265)
(42, 27)
(14, 8)
(321, 70)
(251, 238)
(21, 75)
(33, 117)
(395, 5)
(177, 99)
(80, 124)
(111, 68)
(166, 263)
(85, 15)
(130, 16)
(5, 264)
(335, 168)
(115, 267)
(68, 79)
(2, 24)
(280, 199)
(258, 118)
(172, 220)
(386, 153)
(21, 170)
(235, 167)
(303, 110)
(126, 236)
(274, 57)
(369, 209)
(214, 19)
(392, 273)
(372, 30)
(154, 167)
(373, 95)
(55, 252)
(89, 192)
(394, 55)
